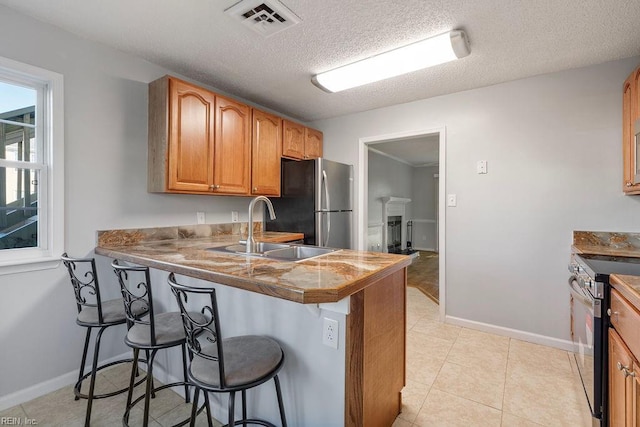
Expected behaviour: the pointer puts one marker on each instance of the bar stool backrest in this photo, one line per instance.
(135, 286)
(84, 279)
(203, 338)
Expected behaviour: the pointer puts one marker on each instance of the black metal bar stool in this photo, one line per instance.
(94, 313)
(152, 333)
(226, 365)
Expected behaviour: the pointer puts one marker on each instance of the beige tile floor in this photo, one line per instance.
(462, 377)
(455, 377)
(60, 409)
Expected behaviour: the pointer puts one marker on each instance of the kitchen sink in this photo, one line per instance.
(280, 251)
(298, 252)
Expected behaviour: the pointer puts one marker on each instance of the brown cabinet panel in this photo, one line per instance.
(232, 147)
(312, 143)
(199, 142)
(630, 113)
(376, 343)
(300, 142)
(620, 383)
(266, 151)
(191, 135)
(626, 320)
(292, 139)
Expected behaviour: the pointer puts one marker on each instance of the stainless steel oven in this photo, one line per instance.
(589, 287)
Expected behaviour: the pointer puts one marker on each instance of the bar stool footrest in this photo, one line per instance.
(125, 418)
(78, 385)
(252, 421)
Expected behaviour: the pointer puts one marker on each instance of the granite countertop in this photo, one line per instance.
(607, 243)
(183, 250)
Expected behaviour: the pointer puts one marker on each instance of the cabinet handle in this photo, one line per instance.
(214, 186)
(625, 371)
(255, 189)
(629, 184)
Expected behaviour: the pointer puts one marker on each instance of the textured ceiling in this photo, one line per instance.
(416, 151)
(509, 40)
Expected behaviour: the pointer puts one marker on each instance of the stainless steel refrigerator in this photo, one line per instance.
(317, 200)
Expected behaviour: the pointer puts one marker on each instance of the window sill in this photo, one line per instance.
(25, 266)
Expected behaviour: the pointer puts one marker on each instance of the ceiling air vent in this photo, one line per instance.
(263, 17)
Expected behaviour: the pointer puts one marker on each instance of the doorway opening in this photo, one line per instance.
(406, 170)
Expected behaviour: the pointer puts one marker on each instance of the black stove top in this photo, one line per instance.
(606, 265)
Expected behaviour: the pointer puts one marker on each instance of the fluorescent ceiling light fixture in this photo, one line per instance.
(416, 56)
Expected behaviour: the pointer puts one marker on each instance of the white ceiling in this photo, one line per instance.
(509, 40)
(415, 151)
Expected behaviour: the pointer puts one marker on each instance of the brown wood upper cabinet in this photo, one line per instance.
(630, 148)
(199, 142)
(300, 142)
(266, 148)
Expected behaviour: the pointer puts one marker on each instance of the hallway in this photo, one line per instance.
(423, 274)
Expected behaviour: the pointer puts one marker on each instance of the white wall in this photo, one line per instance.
(423, 200)
(105, 161)
(387, 177)
(553, 146)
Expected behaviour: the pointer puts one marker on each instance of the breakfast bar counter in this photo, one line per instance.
(364, 291)
(323, 279)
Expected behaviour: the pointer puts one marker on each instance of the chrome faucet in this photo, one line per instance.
(251, 243)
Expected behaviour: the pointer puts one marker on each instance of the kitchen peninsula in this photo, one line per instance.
(358, 383)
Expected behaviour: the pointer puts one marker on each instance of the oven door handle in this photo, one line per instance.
(577, 293)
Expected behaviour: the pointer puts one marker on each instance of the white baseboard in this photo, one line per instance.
(424, 249)
(512, 333)
(48, 386)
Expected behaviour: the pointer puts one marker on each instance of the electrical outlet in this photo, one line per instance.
(234, 216)
(200, 218)
(452, 200)
(330, 332)
(481, 167)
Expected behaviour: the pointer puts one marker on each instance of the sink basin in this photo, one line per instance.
(298, 252)
(280, 251)
(261, 247)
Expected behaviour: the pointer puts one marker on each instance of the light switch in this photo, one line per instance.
(482, 166)
(452, 200)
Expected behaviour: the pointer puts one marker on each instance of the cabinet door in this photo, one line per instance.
(312, 143)
(636, 395)
(292, 139)
(630, 113)
(266, 150)
(191, 134)
(620, 385)
(232, 157)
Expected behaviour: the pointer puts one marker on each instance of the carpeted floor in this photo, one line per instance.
(423, 274)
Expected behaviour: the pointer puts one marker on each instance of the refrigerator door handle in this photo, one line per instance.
(325, 182)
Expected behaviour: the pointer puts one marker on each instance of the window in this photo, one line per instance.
(31, 167)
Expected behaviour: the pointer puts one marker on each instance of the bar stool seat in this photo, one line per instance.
(112, 313)
(168, 331)
(248, 359)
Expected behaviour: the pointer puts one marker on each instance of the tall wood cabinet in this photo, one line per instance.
(266, 147)
(300, 142)
(630, 151)
(199, 142)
